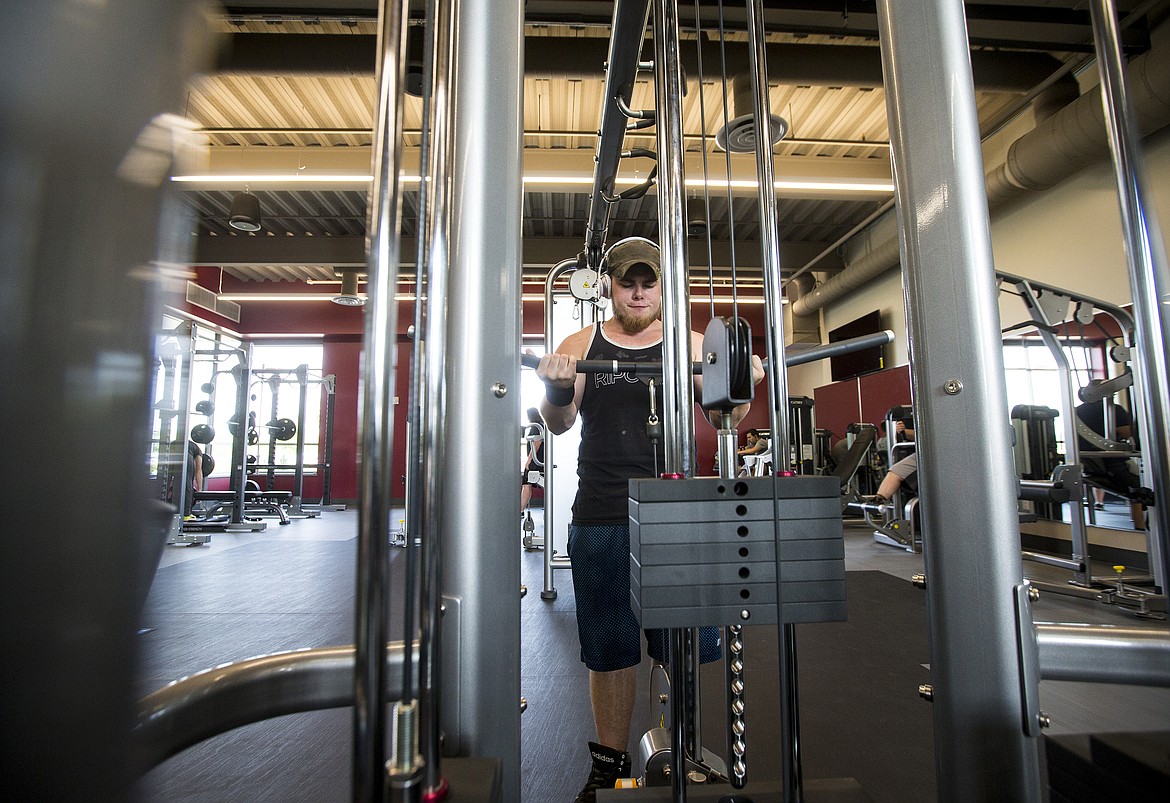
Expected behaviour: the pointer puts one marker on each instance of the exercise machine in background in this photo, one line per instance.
(896, 522)
(1054, 313)
(226, 510)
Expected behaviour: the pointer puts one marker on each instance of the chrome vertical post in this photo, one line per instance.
(1149, 278)
(432, 420)
(483, 377)
(778, 386)
(677, 382)
(302, 374)
(377, 426)
(550, 443)
(984, 749)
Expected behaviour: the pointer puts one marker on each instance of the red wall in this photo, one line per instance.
(342, 358)
(865, 399)
(343, 327)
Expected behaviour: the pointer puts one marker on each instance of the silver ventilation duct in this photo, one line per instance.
(348, 297)
(739, 135)
(1055, 149)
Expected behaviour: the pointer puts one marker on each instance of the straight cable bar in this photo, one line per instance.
(791, 773)
(792, 357)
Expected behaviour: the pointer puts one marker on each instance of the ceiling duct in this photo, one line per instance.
(348, 297)
(801, 328)
(1055, 149)
(739, 135)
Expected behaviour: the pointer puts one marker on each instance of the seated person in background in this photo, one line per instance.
(903, 431)
(755, 445)
(904, 471)
(1117, 474)
(534, 460)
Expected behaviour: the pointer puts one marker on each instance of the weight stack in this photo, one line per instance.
(755, 550)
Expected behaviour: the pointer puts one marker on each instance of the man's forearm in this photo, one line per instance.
(558, 419)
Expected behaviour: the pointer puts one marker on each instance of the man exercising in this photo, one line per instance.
(614, 448)
(1117, 474)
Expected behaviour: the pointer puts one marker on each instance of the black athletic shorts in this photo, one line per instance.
(1112, 473)
(609, 633)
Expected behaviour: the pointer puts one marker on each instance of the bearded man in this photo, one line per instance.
(615, 448)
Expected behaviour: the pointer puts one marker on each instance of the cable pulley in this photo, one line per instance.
(727, 364)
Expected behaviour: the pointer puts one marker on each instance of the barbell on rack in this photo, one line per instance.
(283, 429)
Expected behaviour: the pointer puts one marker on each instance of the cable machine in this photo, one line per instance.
(987, 657)
(1064, 483)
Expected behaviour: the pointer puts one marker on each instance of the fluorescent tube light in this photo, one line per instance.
(825, 184)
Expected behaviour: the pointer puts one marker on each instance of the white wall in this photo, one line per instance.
(1069, 236)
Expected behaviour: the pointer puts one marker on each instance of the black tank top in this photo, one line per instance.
(614, 444)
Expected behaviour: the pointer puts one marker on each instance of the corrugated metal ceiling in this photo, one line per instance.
(259, 113)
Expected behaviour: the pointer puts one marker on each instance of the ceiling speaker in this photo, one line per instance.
(245, 212)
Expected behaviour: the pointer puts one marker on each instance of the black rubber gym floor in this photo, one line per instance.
(861, 715)
(292, 587)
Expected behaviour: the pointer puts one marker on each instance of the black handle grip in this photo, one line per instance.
(791, 357)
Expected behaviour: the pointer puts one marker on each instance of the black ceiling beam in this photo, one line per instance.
(351, 250)
(789, 63)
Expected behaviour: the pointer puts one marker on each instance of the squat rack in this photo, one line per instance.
(274, 377)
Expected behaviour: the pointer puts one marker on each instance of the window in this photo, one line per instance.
(1033, 377)
(275, 398)
(531, 388)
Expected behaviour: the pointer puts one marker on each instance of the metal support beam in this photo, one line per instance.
(1103, 654)
(981, 752)
(480, 566)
